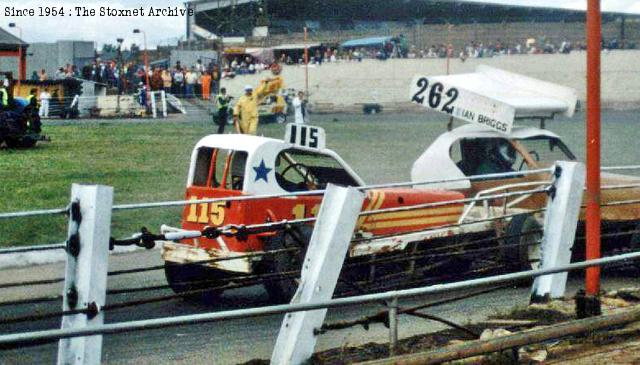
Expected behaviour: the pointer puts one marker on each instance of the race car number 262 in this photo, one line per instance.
(437, 97)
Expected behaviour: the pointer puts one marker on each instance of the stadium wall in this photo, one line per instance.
(345, 86)
(425, 35)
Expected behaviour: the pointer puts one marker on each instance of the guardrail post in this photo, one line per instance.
(560, 222)
(154, 108)
(163, 100)
(86, 271)
(393, 325)
(327, 250)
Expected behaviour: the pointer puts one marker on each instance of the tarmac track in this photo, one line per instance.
(228, 342)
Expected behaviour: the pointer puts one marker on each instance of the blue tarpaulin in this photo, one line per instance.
(366, 42)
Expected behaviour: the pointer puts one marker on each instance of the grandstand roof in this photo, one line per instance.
(8, 41)
(607, 6)
(366, 42)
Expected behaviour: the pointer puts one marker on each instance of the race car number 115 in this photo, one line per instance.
(435, 97)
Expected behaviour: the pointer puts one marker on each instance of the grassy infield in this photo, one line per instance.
(149, 161)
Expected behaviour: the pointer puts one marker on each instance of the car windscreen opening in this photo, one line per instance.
(220, 168)
(299, 170)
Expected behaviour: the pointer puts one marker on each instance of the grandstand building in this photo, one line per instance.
(284, 19)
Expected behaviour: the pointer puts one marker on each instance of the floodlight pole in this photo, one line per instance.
(146, 64)
(306, 64)
(21, 66)
(594, 39)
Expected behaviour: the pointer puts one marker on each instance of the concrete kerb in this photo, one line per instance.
(15, 260)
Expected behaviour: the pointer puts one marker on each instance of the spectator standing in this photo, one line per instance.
(178, 82)
(43, 75)
(299, 107)
(205, 82)
(142, 94)
(34, 76)
(215, 79)
(44, 97)
(157, 83)
(190, 79)
(86, 72)
(166, 81)
(222, 104)
(33, 102)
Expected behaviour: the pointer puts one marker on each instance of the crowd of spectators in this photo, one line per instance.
(198, 80)
(242, 65)
(60, 74)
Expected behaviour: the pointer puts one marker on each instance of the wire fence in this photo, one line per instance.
(279, 195)
(477, 247)
(21, 339)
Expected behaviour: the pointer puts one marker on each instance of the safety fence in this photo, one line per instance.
(482, 241)
(160, 105)
(155, 104)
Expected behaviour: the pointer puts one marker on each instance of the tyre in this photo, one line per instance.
(282, 290)
(523, 248)
(28, 142)
(183, 278)
(12, 142)
(633, 245)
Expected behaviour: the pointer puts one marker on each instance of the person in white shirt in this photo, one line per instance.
(299, 107)
(44, 103)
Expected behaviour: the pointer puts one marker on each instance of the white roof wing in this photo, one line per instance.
(493, 97)
(530, 97)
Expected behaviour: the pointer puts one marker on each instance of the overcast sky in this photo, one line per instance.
(161, 30)
(167, 30)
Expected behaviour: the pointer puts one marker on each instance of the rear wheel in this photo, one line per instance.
(185, 278)
(281, 290)
(524, 246)
(12, 142)
(28, 142)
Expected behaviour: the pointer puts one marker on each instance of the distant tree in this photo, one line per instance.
(108, 48)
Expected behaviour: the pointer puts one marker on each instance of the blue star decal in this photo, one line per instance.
(262, 171)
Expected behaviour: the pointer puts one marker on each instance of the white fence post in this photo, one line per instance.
(86, 271)
(163, 100)
(327, 250)
(154, 109)
(560, 222)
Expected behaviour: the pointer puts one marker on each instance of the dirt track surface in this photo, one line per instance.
(615, 354)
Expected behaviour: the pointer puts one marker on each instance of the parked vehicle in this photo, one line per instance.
(241, 165)
(20, 127)
(472, 149)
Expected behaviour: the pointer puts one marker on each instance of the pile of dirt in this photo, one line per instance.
(530, 317)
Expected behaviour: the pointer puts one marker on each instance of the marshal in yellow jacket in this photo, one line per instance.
(245, 112)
